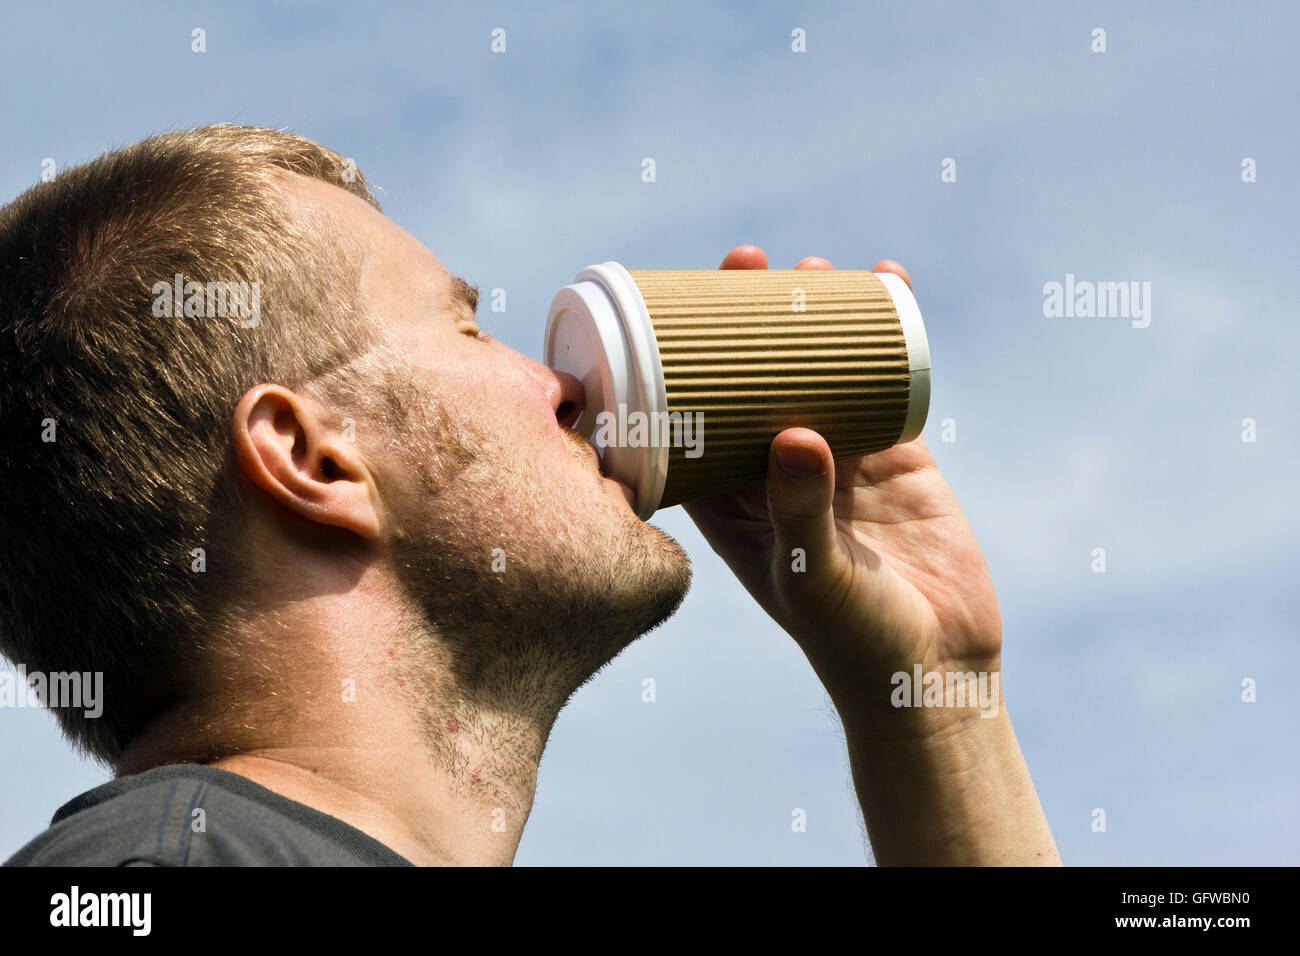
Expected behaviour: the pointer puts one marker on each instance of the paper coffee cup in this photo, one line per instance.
(690, 374)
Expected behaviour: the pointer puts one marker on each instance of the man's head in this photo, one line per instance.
(182, 475)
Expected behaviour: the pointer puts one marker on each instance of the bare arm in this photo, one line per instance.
(894, 581)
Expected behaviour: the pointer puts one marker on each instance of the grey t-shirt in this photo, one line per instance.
(153, 819)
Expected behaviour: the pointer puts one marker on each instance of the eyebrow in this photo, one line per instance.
(462, 291)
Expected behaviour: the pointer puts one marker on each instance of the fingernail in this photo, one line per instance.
(798, 461)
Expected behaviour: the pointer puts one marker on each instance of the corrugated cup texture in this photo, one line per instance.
(758, 351)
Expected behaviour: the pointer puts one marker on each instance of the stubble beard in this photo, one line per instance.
(524, 590)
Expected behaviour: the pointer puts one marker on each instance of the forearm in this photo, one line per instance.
(939, 789)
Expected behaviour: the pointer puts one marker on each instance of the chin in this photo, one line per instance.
(667, 577)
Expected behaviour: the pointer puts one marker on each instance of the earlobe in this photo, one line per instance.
(286, 447)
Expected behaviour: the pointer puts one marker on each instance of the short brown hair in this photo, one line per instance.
(97, 525)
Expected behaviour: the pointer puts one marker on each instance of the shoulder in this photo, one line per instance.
(124, 822)
(192, 815)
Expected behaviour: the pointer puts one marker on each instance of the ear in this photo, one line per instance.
(285, 446)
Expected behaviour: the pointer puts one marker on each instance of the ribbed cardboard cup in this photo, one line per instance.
(690, 374)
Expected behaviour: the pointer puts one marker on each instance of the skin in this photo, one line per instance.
(438, 760)
(894, 577)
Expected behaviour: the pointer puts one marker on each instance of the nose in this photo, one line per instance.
(572, 396)
(565, 393)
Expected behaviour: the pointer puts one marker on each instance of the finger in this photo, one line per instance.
(800, 489)
(814, 262)
(745, 257)
(889, 265)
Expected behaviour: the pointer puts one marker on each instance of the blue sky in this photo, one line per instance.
(519, 169)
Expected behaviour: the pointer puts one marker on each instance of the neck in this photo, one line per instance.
(397, 750)
(462, 802)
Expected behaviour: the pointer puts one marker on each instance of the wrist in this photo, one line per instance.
(906, 699)
(936, 727)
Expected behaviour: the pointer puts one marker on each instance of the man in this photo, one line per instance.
(341, 559)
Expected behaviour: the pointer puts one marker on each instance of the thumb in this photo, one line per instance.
(800, 489)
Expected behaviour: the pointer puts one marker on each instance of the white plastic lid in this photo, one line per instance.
(599, 331)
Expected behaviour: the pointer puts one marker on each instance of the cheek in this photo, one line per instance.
(506, 391)
(494, 394)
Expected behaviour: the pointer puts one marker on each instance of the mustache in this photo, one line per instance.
(581, 445)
